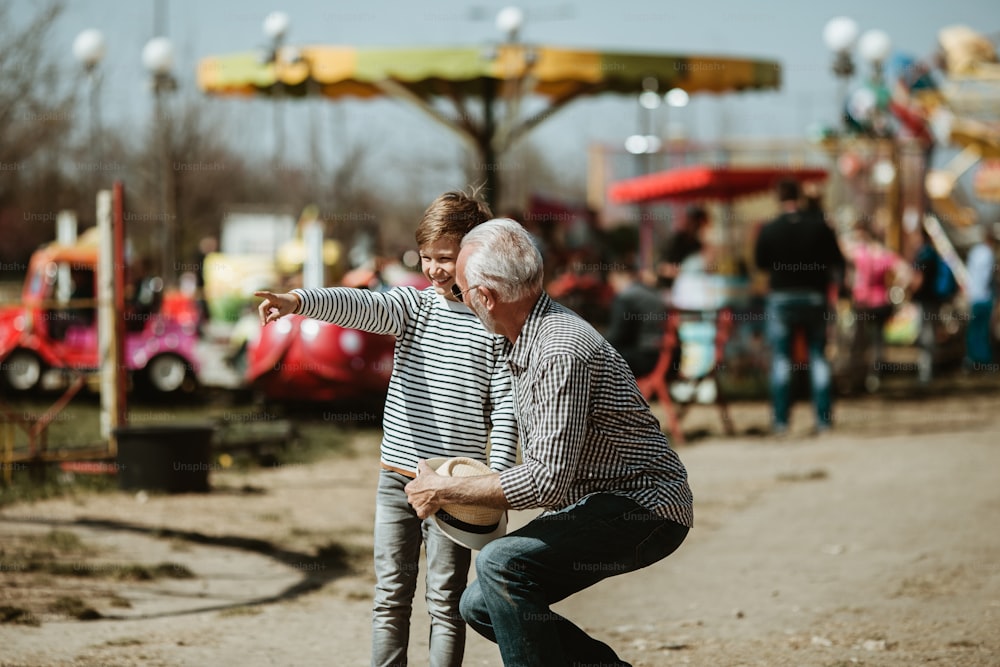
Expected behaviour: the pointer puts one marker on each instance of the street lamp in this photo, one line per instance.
(509, 21)
(676, 97)
(89, 49)
(158, 59)
(874, 47)
(840, 34)
(276, 25)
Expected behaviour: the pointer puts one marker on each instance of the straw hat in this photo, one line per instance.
(470, 526)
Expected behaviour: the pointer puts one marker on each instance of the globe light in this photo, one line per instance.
(637, 144)
(874, 46)
(88, 47)
(158, 55)
(677, 97)
(276, 25)
(649, 99)
(839, 33)
(509, 20)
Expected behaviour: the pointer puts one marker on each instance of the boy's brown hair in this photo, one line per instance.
(452, 214)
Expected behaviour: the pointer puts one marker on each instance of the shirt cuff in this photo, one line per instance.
(518, 488)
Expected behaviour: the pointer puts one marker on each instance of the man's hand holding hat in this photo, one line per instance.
(464, 497)
(422, 492)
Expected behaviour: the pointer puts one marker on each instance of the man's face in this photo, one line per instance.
(473, 299)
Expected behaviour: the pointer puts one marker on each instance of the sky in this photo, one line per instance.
(789, 31)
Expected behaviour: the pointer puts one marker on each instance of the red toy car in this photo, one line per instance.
(55, 329)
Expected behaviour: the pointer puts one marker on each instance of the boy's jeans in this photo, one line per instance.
(549, 559)
(398, 534)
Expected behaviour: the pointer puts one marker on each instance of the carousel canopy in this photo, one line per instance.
(704, 182)
(556, 73)
(505, 74)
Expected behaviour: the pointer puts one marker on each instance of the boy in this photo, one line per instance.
(448, 393)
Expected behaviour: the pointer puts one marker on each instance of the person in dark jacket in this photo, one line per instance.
(637, 322)
(801, 256)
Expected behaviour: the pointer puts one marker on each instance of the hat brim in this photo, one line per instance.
(464, 538)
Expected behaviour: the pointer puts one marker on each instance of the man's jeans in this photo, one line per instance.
(554, 556)
(785, 313)
(978, 340)
(398, 534)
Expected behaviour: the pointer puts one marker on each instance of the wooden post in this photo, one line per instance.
(110, 311)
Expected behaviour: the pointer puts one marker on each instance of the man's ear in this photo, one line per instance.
(487, 297)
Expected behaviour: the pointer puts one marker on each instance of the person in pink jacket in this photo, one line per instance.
(874, 270)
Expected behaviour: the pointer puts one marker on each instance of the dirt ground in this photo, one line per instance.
(877, 545)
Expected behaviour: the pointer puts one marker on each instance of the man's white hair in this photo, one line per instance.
(503, 256)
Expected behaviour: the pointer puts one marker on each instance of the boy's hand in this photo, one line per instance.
(275, 306)
(422, 493)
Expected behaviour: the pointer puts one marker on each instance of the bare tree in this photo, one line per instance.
(36, 116)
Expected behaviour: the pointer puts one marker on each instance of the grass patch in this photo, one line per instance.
(29, 486)
(65, 541)
(118, 601)
(123, 641)
(62, 553)
(113, 571)
(74, 607)
(138, 572)
(243, 610)
(17, 616)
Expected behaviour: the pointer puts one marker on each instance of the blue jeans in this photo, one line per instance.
(978, 343)
(398, 534)
(551, 558)
(927, 341)
(786, 312)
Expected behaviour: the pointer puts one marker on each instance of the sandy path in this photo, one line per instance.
(877, 546)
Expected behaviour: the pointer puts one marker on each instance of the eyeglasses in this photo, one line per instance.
(457, 293)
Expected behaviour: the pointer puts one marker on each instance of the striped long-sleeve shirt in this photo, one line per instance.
(449, 392)
(584, 426)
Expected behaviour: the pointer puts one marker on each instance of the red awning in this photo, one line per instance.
(702, 182)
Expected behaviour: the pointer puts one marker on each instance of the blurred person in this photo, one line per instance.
(925, 292)
(637, 320)
(206, 246)
(801, 257)
(615, 495)
(981, 265)
(448, 393)
(874, 269)
(686, 243)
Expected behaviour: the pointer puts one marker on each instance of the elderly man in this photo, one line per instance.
(615, 494)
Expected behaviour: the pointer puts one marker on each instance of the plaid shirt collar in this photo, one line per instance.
(519, 352)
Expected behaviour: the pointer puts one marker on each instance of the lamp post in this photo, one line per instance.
(89, 49)
(867, 107)
(646, 144)
(275, 27)
(509, 21)
(840, 34)
(158, 59)
(874, 47)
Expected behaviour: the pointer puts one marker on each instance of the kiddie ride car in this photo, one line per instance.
(54, 329)
(302, 360)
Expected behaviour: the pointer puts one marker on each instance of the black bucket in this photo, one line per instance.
(174, 458)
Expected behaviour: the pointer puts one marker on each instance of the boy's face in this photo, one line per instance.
(437, 261)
